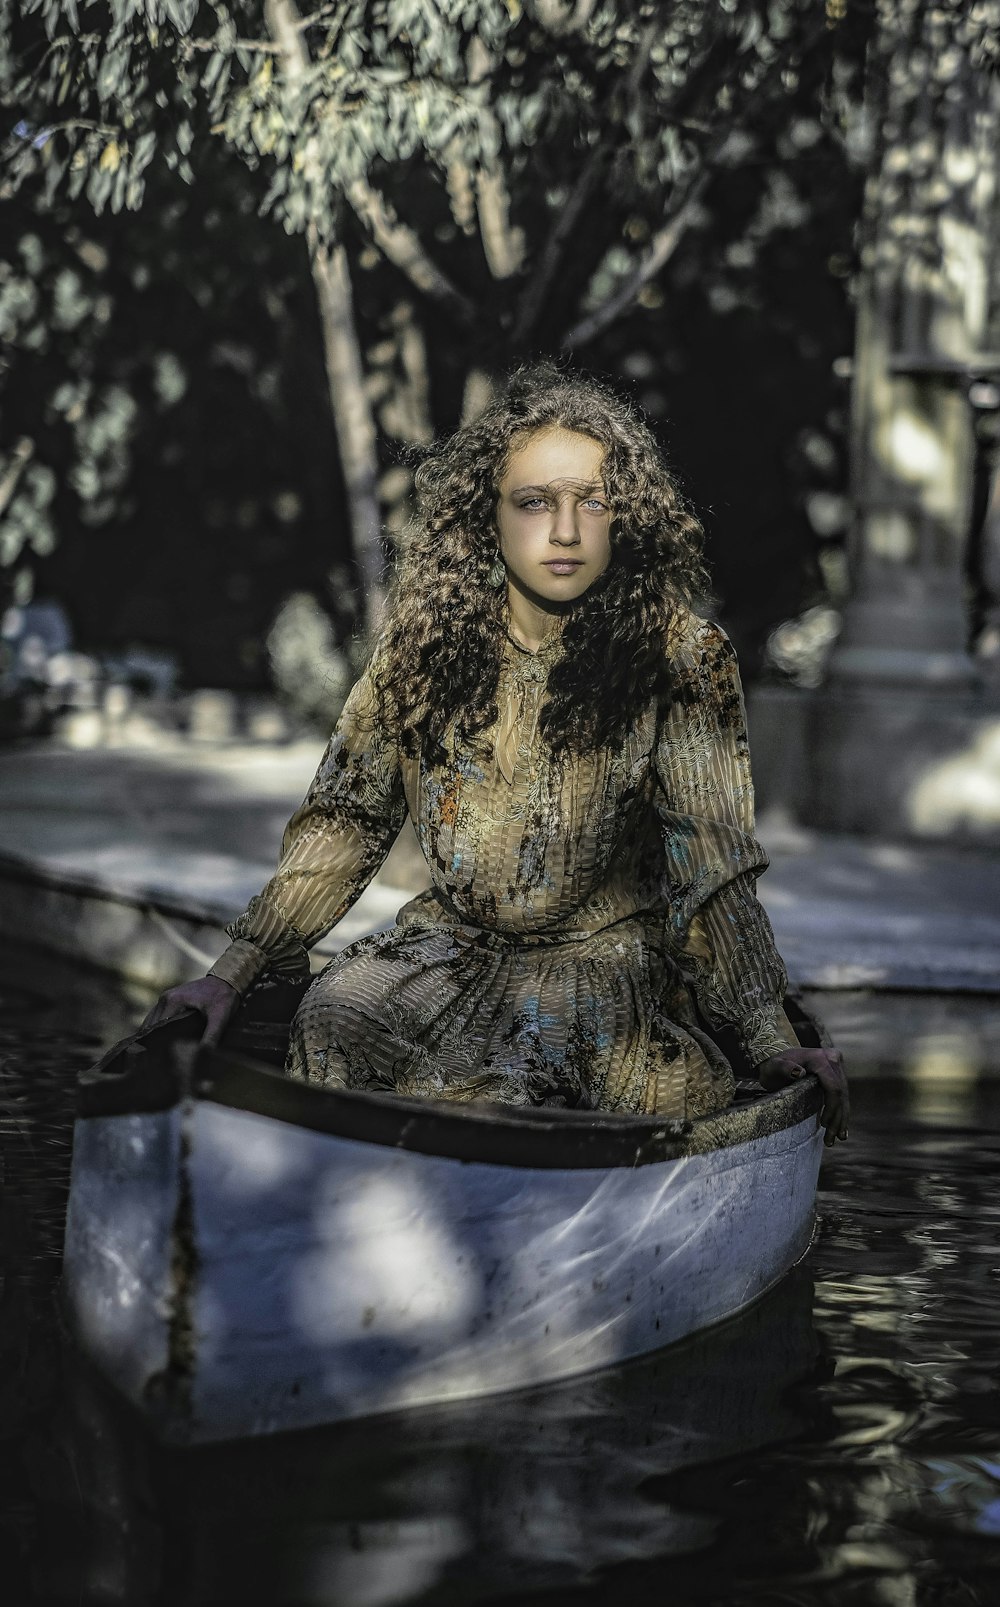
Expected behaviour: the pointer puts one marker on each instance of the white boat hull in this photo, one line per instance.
(234, 1273)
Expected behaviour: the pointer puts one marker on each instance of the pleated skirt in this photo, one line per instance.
(596, 1021)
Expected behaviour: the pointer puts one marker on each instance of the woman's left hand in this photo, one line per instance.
(826, 1065)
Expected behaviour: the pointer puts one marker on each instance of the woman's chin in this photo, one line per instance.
(555, 595)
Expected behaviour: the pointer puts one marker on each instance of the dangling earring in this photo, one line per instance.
(497, 575)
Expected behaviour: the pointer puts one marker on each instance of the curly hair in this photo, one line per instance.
(441, 650)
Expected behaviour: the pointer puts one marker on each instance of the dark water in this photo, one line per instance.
(838, 1445)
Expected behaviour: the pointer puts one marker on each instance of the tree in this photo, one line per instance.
(175, 412)
(475, 180)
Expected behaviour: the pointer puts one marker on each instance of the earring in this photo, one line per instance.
(497, 575)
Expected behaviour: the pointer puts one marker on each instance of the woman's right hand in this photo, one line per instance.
(217, 1001)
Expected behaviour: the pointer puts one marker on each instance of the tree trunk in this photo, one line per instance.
(354, 424)
(352, 414)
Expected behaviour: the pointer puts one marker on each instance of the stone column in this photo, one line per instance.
(903, 695)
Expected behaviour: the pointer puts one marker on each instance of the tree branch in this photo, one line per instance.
(72, 123)
(662, 247)
(21, 456)
(668, 236)
(406, 413)
(503, 246)
(540, 283)
(282, 19)
(539, 286)
(401, 246)
(266, 47)
(315, 16)
(270, 47)
(352, 415)
(396, 240)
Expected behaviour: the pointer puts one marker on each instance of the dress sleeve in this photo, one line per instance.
(332, 847)
(716, 928)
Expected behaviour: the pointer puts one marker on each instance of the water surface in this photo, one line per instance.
(838, 1445)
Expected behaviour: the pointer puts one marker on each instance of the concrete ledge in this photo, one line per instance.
(147, 940)
(914, 764)
(144, 934)
(851, 931)
(814, 946)
(852, 912)
(928, 1039)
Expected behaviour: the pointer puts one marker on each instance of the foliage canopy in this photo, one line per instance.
(506, 178)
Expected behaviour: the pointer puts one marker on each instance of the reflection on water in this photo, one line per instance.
(459, 1502)
(850, 1456)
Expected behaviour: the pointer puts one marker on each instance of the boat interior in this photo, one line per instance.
(164, 1066)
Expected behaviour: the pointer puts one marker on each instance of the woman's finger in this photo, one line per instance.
(833, 1118)
(216, 1022)
(155, 1015)
(163, 1010)
(826, 1065)
(167, 1008)
(835, 1102)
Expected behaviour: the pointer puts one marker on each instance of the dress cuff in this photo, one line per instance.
(766, 1035)
(240, 965)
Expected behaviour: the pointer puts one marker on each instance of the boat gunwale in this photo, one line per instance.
(132, 1080)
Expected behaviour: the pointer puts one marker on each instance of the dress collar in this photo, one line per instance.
(535, 665)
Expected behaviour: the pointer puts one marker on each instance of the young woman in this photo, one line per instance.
(568, 738)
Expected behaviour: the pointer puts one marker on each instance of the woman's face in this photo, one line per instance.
(553, 518)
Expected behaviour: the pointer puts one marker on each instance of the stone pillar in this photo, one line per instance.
(988, 579)
(903, 695)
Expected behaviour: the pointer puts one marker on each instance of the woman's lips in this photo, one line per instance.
(563, 566)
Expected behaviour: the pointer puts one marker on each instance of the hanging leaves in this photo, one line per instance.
(461, 87)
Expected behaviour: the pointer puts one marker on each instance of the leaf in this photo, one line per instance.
(181, 13)
(99, 189)
(213, 71)
(110, 158)
(142, 153)
(119, 189)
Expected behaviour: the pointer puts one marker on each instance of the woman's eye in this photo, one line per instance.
(533, 502)
(596, 505)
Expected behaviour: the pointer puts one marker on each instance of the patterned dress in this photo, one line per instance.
(579, 907)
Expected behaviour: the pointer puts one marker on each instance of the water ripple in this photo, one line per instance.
(837, 1447)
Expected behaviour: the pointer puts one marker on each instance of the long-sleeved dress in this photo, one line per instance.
(579, 905)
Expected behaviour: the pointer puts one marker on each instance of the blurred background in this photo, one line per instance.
(253, 254)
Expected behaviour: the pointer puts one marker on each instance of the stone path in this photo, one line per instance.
(196, 829)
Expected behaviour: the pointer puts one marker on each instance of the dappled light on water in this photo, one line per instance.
(838, 1446)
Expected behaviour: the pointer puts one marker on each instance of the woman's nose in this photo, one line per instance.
(565, 530)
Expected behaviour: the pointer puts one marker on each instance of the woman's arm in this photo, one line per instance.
(718, 930)
(332, 847)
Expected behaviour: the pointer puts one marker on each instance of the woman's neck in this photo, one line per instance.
(529, 624)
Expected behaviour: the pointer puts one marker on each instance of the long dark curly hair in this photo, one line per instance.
(440, 653)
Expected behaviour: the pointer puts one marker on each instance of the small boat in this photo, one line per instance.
(246, 1254)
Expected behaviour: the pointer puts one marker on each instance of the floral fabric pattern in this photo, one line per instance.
(579, 908)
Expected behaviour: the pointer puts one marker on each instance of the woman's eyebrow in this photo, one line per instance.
(583, 487)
